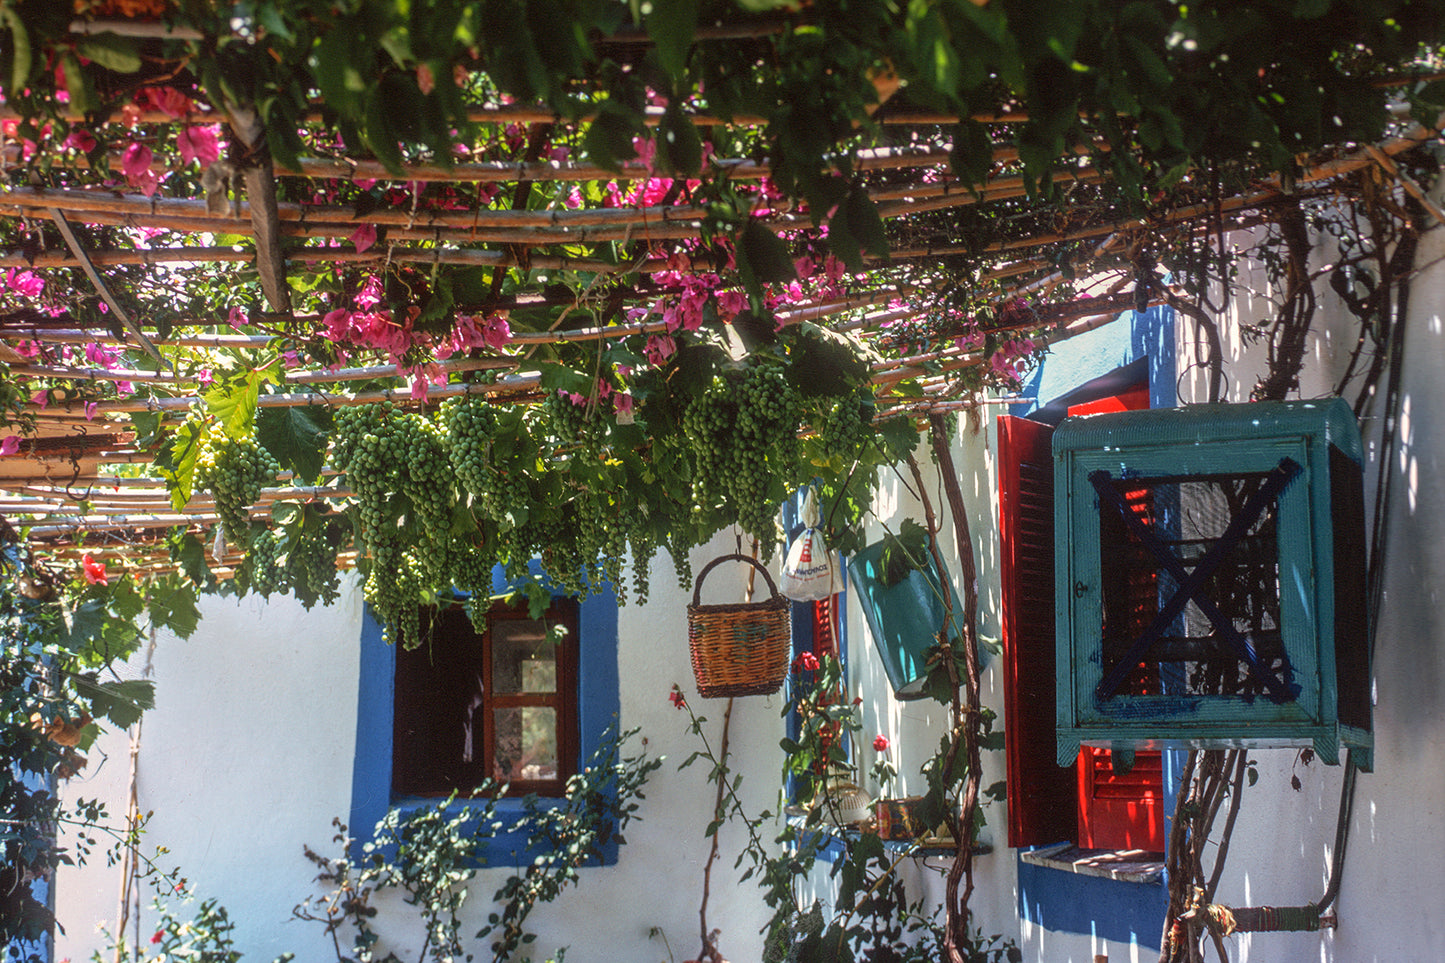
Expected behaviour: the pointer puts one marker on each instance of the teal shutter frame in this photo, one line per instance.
(1318, 515)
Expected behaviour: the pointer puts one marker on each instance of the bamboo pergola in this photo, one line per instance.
(76, 482)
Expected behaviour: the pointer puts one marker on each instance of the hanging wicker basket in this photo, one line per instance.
(742, 648)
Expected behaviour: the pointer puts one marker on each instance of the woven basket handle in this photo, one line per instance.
(697, 585)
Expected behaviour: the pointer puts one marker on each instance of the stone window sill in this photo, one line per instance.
(1127, 865)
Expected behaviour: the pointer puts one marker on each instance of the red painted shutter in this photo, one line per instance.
(1121, 810)
(825, 639)
(1041, 794)
(1124, 810)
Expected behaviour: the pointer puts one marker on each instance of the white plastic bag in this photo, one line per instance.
(808, 568)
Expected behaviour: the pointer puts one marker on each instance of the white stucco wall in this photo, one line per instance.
(248, 756)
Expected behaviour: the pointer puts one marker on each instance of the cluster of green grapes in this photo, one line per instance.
(843, 427)
(567, 421)
(470, 425)
(499, 493)
(429, 487)
(292, 561)
(643, 538)
(260, 571)
(233, 471)
(769, 414)
(743, 435)
(397, 466)
(707, 424)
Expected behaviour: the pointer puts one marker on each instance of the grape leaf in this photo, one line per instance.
(296, 437)
(233, 403)
(121, 702)
(111, 51)
(176, 462)
(671, 25)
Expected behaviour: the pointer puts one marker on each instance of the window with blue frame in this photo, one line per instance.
(492, 701)
(504, 703)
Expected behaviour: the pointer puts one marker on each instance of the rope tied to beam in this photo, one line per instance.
(1227, 920)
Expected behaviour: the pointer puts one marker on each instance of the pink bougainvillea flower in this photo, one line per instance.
(236, 318)
(646, 149)
(10, 445)
(337, 323)
(623, 402)
(364, 237)
(101, 356)
(94, 571)
(91, 407)
(731, 303)
(148, 183)
(881, 744)
(370, 294)
(659, 348)
(26, 283)
(40, 398)
(135, 160)
(205, 377)
(80, 139)
(365, 183)
(167, 100)
(158, 936)
(28, 349)
(677, 699)
(497, 330)
(200, 143)
(124, 388)
(807, 662)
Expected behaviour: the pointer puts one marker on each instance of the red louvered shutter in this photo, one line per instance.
(1124, 810)
(1121, 810)
(1042, 796)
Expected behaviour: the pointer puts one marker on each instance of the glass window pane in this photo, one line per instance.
(523, 660)
(526, 743)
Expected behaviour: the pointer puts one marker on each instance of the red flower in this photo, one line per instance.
(678, 701)
(808, 662)
(881, 744)
(94, 571)
(159, 934)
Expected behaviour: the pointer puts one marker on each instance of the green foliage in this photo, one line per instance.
(431, 854)
(60, 639)
(872, 917)
(596, 806)
(904, 552)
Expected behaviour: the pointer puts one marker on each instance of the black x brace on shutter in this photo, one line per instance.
(1190, 583)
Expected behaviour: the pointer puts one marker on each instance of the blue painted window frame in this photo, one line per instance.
(802, 641)
(1057, 899)
(598, 709)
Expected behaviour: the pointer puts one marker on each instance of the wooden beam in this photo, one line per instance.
(121, 314)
